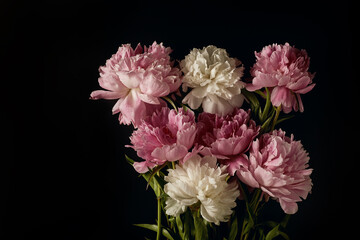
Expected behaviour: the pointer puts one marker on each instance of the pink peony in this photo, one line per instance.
(164, 136)
(278, 165)
(284, 70)
(138, 78)
(226, 137)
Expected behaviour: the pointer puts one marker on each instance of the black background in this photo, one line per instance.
(63, 174)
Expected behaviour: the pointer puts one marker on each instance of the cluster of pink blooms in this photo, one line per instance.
(277, 164)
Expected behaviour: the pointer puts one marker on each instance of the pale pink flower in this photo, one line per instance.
(284, 70)
(226, 137)
(279, 166)
(164, 136)
(138, 78)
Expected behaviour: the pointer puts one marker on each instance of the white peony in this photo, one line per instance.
(215, 79)
(199, 181)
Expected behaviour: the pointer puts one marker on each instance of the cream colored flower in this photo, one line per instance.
(215, 80)
(201, 181)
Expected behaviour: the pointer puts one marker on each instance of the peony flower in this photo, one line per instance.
(215, 80)
(284, 70)
(201, 181)
(278, 165)
(226, 137)
(164, 136)
(138, 78)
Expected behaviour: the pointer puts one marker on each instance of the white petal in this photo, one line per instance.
(192, 101)
(216, 105)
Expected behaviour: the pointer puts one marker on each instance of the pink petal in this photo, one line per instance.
(223, 146)
(234, 163)
(288, 207)
(210, 160)
(143, 167)
(186, 137)
(264, 80)
(246, 177)
(301, 105)
(264, 177)
(111, 81)
(132, 109)
(251, 87)
(101, 94)
(170, 153)
(306, 90)
(148, 99)
(116, 107)
(176, 153)
(138, 49)
(152, 86)
(300, 84)
(280, 95)
(130, 79)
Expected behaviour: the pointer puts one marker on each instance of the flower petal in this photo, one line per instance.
(132, 109)
(216, 105)
(143, 167)
(192, 101)
(152, 86)
(148, 99)
(130, 79)
(101, 94)
(288, 207)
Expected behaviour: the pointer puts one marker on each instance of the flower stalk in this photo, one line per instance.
(158, 234)
(278, 110)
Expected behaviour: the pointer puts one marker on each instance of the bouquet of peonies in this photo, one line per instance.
(212, 164)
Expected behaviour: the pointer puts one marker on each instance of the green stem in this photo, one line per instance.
(278, 110)
(242, 230)
(171, 103)
(158, 234)
(257, 199)
(261, 93)
(264, 114)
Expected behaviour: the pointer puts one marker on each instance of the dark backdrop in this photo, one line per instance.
(63, 173)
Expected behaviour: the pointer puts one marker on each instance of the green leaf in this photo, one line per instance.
(285, 221)
(150, 181)
(273, 233)
(188, 226)
(200, 227)
(165, 232)
(284, 235)
(251, 221)
(249, 226)
(180, 227)
(276, 232)
(271, 224)
(251, 97)
(160, 181)
(153, 173)
(284, 119)
(129, 160)
(233, 228)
